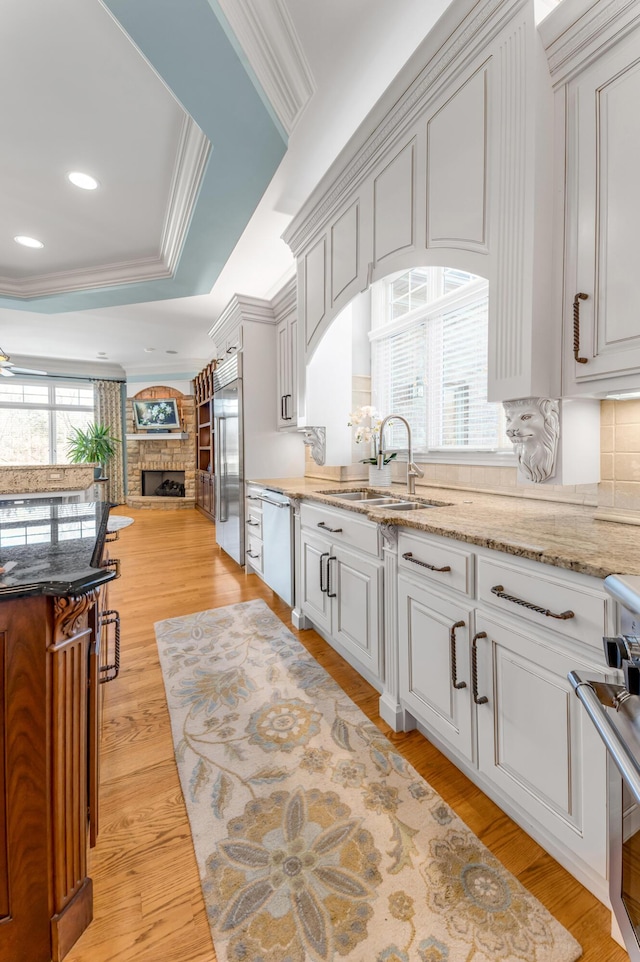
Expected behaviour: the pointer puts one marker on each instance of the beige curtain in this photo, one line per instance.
(108, 402)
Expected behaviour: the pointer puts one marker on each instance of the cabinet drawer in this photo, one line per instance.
(519, 591)
(341, 527)
(254, 553)
(254, 521)
(436, 562)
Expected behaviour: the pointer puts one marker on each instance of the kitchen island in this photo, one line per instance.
(53, 576)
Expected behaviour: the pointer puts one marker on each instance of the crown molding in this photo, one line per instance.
(241, 308)
(452, 44)
(284, 302)
(577, 30)
(191, 161)
(268, 38)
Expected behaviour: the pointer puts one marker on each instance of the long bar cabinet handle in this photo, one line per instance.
(110, 672)
(323, 524)
(576, 328)
(251, 555)
(499, 592)
(330, 593)
(408, 556)
(452, 649)
(478, 699)
(287, 416)
(323, 587)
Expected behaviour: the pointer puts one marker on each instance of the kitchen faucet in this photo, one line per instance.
(413, 471)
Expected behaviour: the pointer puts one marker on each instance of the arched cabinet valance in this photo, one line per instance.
(455, 171)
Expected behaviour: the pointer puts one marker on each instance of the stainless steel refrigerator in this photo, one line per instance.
(228, 459)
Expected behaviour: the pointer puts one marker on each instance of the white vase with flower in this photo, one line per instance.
(367, 420)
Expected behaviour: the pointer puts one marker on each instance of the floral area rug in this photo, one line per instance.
(315, 839)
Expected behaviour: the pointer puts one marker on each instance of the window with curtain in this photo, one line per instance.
(38, 415)
(429, 343)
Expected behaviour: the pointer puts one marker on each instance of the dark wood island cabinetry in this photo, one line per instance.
(53, 575)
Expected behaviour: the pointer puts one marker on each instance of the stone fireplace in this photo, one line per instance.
(162, 459)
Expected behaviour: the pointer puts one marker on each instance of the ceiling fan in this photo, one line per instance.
(7, 369)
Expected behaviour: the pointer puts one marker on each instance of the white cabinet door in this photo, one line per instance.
(315, 601)
(287, 372)
(282, 370)
(355, 587)
(535, 741)
(603, 208)
(435, 677)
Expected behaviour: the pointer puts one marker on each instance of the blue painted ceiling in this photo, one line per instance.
(190, 46)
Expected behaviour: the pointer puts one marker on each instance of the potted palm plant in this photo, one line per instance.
(94, 444)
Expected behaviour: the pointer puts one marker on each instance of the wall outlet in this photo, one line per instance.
(55, 476)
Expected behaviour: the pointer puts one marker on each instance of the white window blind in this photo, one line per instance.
(430, 362)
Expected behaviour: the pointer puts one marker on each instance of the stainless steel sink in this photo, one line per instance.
(361, 496)
(408, 505)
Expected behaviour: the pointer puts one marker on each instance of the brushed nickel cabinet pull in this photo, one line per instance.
(499, 591)
(323, 524)
(576, 328)
(408, 556)
(478, 699)
(452, 650)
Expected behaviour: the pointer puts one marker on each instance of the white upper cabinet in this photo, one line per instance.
(453, 167)
(286, 315)
(595, 63)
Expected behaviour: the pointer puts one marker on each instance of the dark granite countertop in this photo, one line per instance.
(51, 548)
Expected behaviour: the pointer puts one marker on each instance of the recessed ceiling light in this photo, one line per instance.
(149, 350)
(102, 353)
(85, 181)
(28, 241)
(170, 352)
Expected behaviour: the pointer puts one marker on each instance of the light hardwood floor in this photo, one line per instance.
(148, 904)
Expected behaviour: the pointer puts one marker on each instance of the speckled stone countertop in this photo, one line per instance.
(52, 549)
(563, 535)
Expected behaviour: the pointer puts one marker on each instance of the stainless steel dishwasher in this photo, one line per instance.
(277, 536)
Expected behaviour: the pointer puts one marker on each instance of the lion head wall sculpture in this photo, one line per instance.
(533, 426)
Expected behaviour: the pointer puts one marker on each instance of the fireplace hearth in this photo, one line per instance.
(163, 484)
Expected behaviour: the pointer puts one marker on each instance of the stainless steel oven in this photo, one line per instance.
(614, 709)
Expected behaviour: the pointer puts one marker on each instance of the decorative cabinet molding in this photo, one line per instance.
(456, 169)
(394, 206)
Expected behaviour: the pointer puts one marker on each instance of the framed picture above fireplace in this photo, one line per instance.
(159, 414)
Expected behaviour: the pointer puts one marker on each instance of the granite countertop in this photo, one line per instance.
(52, 548)
(563, 535)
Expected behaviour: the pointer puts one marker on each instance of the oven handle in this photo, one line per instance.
(620, 752)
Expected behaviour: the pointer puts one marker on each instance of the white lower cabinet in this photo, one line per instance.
(535, 742)
(341, 592)
(434, 663)
(486, 680)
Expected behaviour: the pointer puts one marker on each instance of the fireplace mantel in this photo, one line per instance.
(158, 436)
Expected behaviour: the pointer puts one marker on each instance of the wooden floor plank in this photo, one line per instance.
(148, 902)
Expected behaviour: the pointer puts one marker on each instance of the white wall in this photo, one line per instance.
(329, 387)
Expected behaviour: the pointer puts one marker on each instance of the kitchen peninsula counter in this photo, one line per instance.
(52, 548)
(551, 532)
(53, 586)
